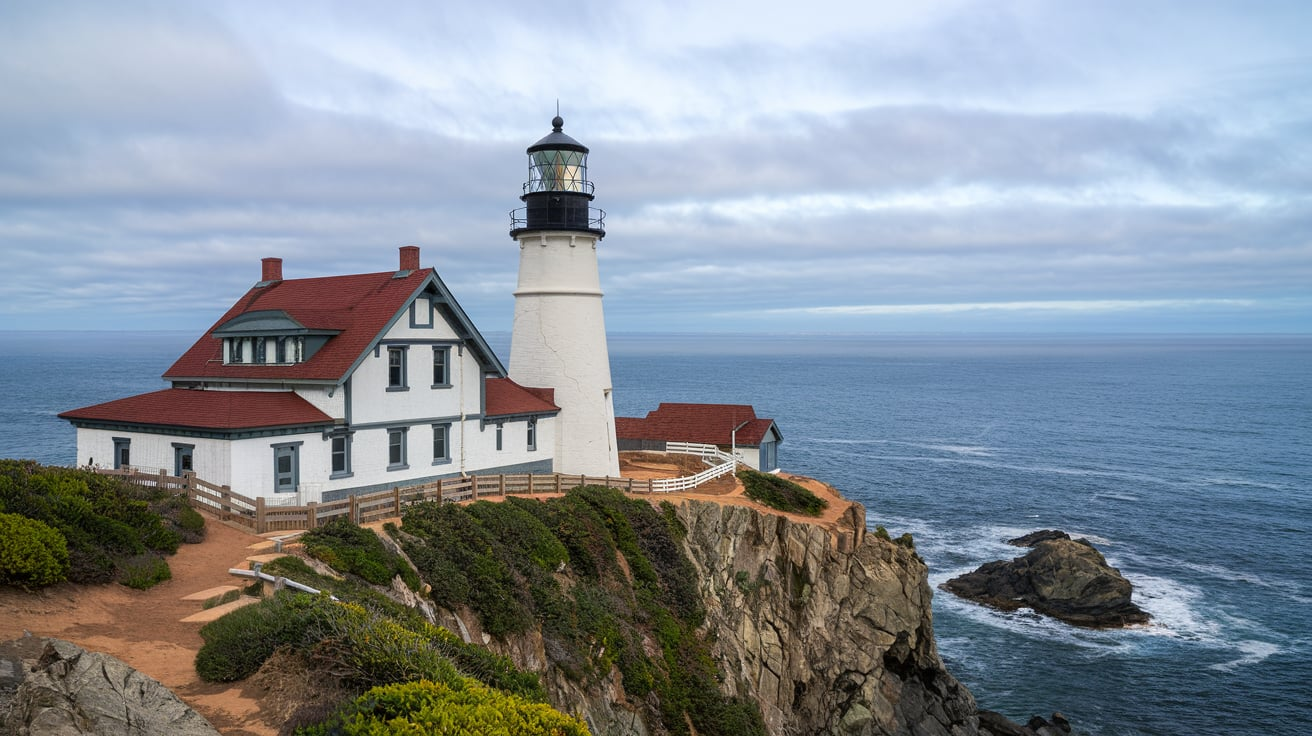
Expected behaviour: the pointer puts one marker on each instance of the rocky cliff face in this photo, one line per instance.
(830, 631)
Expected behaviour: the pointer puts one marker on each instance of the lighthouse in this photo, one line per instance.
(559, 335)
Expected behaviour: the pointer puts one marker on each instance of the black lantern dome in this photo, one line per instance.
(557, 195)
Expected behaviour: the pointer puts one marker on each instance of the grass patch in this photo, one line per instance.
(780, 493)
(143, 571)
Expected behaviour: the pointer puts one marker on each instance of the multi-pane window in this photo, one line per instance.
(236, 349)
(341, 454)
(396, 449)
(396, 369)
(532, 434)
(441, 366)
(441, 442)
(499, 434)
(261, 350)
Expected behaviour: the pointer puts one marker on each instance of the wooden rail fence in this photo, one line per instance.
(259, 516)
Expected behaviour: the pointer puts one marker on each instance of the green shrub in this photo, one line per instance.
(446, 708)
(220, 600)
(32, 553)
(102, 519)
(239, 642)
(143, 571)
(348, 548)
(780, 493)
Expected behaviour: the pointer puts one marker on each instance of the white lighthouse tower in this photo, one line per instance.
(559, 337)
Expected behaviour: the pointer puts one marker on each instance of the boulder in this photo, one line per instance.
(1063, 578)
(70, 691)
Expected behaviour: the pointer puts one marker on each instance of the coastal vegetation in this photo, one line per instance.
(602, 577)
(780, 493)
(87, 528)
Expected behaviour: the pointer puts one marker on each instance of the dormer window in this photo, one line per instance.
(269, 337)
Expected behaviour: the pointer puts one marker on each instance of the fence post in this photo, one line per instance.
(311, 509)
(354, 511)
(259, 515)
(501, 484)
(396, 499)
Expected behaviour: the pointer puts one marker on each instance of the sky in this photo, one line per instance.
(938, 166)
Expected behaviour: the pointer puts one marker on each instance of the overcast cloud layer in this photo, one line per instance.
(820, 166)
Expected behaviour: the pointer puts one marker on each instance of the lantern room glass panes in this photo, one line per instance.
(558, 171)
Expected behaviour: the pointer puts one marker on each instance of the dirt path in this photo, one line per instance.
(144, 628)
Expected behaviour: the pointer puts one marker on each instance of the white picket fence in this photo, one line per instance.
(721, 463)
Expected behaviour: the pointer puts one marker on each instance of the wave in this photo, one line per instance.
(1243, 483)
(1253, 651)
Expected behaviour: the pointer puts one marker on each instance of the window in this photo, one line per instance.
(122, 452)
(396, 449)
(182, 459)
(532, 434)
(441, 443)
(441, 366)
(396, 369)
(499, 428)
(236, 350)
(341, 456)
(261, 350)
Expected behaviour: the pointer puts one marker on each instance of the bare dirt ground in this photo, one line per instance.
(726, 489)
(144, 628)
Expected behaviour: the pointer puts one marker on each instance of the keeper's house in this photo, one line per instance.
(314, 389)
(735, 428)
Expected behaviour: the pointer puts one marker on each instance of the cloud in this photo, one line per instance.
(943, 154)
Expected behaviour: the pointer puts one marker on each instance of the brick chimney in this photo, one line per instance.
(409, 258)
(270, 269)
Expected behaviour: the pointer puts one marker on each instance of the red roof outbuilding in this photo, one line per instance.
(711, 424)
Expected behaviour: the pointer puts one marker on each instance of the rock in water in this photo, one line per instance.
(71, 691)
(1033, 538)
(1063, 578)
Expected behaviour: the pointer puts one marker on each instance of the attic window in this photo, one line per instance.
(286, 350)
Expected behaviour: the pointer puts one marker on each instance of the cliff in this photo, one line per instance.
(830, 631)
(827, 628)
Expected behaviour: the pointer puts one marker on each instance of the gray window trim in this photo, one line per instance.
(403, 351)
(531, 434)
(346, 472)
(445, 458)
(405, 449)
(415, 321)
(500, 433)
(445, 352)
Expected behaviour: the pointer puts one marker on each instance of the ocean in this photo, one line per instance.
(1186, 459)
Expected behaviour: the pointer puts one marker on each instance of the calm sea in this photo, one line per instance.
(1186, 460)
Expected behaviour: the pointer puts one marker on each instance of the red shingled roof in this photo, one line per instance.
(359, 305)
(195, 409)
(710, 424)
(505, 397)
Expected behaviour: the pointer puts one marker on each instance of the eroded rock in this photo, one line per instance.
(70, 691)
(1063, 578)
